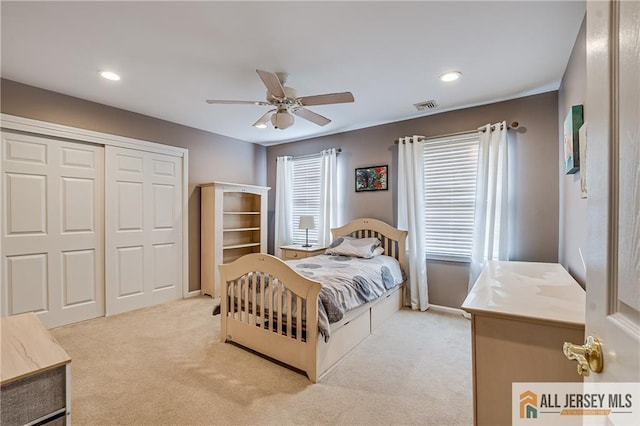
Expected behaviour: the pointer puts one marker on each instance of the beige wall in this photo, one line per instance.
(533, 178)
(573, 209)
(211, 156)
(534, 159)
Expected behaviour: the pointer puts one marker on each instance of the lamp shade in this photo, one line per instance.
(307, 222)
(281, 119)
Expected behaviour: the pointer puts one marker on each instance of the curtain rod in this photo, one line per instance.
(513, 125)
(338, 151)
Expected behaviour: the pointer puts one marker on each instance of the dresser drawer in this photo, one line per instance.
(292, 255)
(298, 252)
(34, 397)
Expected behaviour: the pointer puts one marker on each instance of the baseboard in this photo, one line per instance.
(193, 293)
(446, 309)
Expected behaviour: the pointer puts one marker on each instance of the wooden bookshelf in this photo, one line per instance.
(233, 223)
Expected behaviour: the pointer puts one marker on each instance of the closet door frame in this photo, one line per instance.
(11, 122)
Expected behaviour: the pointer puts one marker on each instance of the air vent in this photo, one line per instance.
(423, 106)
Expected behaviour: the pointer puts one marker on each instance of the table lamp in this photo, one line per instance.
(306, 223)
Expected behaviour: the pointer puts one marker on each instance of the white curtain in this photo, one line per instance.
(490, 232)
(284, 204)
(411, 218)
(328, 215)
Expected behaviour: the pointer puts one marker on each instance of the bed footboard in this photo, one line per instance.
(270, 308)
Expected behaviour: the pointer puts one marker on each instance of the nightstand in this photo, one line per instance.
(298, 252)
(35, 374)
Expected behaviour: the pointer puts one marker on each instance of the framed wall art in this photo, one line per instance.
(572, 124)
(582, 132)
(371, 179)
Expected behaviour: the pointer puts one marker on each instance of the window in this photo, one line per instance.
(306, 195)
(450, 170)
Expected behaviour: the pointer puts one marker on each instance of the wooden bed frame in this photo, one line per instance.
(288, 337)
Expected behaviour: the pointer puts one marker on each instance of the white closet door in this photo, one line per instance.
(143, 229)
(52, 230)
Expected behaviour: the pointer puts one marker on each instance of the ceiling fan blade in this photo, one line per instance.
(329, 98)
(272, 82)
(312, 116)
(262, 121)
(217, 101)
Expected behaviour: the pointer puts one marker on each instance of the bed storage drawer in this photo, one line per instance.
(342, 341)
(385, 308)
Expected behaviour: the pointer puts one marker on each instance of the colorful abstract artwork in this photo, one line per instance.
(371, 179)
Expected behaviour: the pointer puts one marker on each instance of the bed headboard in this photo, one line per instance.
(393, 239)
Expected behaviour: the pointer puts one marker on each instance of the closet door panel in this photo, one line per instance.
(25, 150)
(164, 266)
(26, 204)
(79, 263)
(124, 230)
(164, 203)
(74, 191)
(129, 205)
(165, 220)
(143, 229)
(130, 270)
(52, 233)
(27, 283)
(78, 278)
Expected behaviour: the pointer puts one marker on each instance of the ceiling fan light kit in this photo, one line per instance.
(282, 119)
(287, 103)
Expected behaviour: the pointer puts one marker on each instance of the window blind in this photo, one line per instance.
(306, 196)
(450, 171)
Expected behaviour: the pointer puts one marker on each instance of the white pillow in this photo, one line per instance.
(357, 247)
(377, 252)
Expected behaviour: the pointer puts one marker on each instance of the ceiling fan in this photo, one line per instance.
(286, 102)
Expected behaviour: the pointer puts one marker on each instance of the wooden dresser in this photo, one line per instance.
(521, 314)
(35, 374)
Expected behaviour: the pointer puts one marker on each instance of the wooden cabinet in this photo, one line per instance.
(298, 252)
(521, 314)
(35, 374)
(233, 223)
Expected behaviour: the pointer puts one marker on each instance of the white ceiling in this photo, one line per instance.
(174, 55)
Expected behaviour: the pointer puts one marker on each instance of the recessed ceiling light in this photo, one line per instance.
(450, 76)
(109, 75)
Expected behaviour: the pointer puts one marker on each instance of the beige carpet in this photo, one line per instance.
(165, 365)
